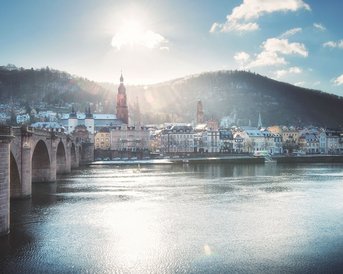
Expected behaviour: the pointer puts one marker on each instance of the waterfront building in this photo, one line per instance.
(272, 142)
(129, 139)
(206, 139)
(322, 142)
(237, 144)
(254, 140)
(213, 141)
(226, 141)
(333, 141)
(177, 139)
(309, 143)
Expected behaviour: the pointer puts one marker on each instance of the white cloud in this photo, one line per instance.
(234, 26)
(284, 47)
(132, 34)
(290, 32)
(302, 83)
(243, 16)
(273, 48)
(339, 80)
(319, 26)
(316, 83)
(241, 56)
(291, 70)
(333, 44)
(266, 58)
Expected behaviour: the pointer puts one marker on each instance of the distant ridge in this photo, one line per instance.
(248, 94)
(221, 92)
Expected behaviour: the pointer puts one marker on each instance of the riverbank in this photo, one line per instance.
(310, 159)
(197, 160)
(236, 159)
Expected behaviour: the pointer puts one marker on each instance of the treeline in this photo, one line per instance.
(221, 93)
(246, 93)
(46, 85)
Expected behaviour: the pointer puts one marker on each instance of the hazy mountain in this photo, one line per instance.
(221, 93)
(247, 93)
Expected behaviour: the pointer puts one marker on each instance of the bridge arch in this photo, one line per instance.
(40, 163)
(15, 182)
(61, 159)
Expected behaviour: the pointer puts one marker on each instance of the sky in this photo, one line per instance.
(294, 41)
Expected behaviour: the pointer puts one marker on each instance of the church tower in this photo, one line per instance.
(200, 113)
(89, 120)
(72, 120)
(122, 109)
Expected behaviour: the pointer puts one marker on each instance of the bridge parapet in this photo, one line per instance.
(5, 131)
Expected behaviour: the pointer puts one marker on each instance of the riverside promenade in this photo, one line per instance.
(232, 159)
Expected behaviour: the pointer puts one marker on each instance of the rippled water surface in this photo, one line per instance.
(184, 219)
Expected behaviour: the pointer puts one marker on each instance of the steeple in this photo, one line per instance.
(200, 113)
(121, 77)
(88, 112)
(259, 123)
(73, 113)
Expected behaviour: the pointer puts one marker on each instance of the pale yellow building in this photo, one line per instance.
(102, 140)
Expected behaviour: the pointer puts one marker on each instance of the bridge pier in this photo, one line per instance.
(5, 140)
(26, 173)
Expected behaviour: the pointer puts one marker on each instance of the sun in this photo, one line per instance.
(133, 33)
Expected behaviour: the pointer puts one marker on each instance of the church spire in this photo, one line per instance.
(121, 77)
(259, 123)
(122, 109)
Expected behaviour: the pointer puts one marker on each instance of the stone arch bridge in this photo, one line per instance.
(31, 155)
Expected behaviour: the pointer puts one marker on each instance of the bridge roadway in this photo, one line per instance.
(31, 155)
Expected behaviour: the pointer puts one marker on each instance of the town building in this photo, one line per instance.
(309, 143)
(23, 118)
(177, 139)
(129, 141)
(102, 139)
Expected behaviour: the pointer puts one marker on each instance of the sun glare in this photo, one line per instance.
(133, 33)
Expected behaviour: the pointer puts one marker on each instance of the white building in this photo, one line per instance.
(48, 115)
(93, 122)
(206, 139)
(23, 118)
(333, 141)
(177, 139)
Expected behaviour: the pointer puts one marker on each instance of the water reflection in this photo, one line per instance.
(189, 219)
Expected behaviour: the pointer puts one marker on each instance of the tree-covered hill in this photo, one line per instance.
(247, 94)
(221, 93)
(47, 85)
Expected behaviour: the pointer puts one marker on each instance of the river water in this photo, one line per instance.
(181, 219)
